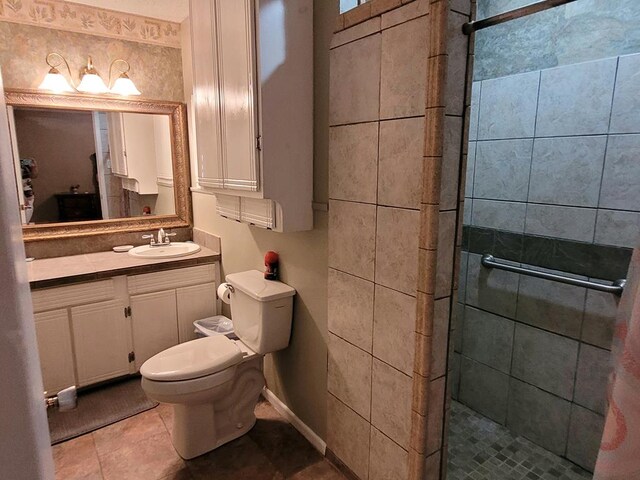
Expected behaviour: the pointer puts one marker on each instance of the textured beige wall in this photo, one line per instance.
(156, 70)
(297, 375)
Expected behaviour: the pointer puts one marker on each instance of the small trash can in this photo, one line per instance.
(217, 325)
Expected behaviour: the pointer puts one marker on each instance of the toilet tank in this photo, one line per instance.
(261, 311)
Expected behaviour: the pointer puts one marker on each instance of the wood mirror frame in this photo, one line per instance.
(179, 151)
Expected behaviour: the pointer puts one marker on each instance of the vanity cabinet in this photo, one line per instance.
(82, 333)
(154, 319)
(95, 331)
(194, 303)
(54, 345)
(163, 319)
(102, 341)
(253, 100)
(164, 306)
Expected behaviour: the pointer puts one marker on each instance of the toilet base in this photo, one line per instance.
(200, 428)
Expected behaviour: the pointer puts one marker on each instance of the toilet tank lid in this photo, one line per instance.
(254, 284)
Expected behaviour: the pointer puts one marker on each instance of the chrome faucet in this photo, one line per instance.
(151, 237)
(162, 238)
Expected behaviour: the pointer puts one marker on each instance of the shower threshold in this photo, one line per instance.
(482, 449)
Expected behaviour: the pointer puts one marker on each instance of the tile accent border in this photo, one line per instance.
(73, 17)
(450, 63)
(604, 262)
(366, 11)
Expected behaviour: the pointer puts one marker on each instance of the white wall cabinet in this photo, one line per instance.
(253, 101)
(116, 144)
(91, 332)
(133, 146)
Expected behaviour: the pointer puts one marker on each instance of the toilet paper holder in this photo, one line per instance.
(224, 292)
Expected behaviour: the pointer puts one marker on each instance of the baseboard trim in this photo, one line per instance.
(333, 459)
(298, 424)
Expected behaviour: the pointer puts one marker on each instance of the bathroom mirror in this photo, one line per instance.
(86, 164)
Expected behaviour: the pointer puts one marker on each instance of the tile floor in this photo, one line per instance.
(139, 448)
(481, 449)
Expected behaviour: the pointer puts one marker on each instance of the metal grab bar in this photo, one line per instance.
(617, 287)
(527, 10)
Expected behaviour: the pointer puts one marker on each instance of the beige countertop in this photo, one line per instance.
(51, 272)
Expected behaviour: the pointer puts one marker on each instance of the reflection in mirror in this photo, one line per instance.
(74, 165)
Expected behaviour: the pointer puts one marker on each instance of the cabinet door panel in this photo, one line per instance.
(206, 93)
(155, 324)
(101, 337)
(194, 303)
(138, 131)
(236, 57)
(116, 144)
(54, 345)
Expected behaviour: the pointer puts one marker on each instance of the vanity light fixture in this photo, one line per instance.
(54, 80)
(123, 84)
(90, 80)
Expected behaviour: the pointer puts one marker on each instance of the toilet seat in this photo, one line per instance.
(192, 360)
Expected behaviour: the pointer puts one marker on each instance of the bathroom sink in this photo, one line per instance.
(174, 249)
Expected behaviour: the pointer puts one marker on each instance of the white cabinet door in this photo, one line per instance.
(116, 144)
(194, 303)
(206, 98)
(154, 322)
(236, 62)
(54, 345)
(102, 341)
(138, 130)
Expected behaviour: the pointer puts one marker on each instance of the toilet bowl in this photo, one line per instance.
(214, 383)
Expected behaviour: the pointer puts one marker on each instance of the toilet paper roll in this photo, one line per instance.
(224, 292)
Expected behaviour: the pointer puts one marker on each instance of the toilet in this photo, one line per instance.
(214, 383)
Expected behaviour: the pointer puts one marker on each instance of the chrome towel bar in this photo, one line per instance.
(617, 287)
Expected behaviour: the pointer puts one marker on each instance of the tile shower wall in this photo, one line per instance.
(568, 34)
(378, 83)
(552, 181)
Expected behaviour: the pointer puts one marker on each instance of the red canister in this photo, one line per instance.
(271, 263)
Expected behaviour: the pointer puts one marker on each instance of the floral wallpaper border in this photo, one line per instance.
(62, 15)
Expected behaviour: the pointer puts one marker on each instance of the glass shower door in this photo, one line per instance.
(553, 182)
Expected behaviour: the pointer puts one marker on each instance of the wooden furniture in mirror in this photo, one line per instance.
(137, 149)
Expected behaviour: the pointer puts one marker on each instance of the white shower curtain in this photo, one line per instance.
(619, 456)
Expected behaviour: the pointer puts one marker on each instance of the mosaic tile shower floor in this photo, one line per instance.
(481, 449)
